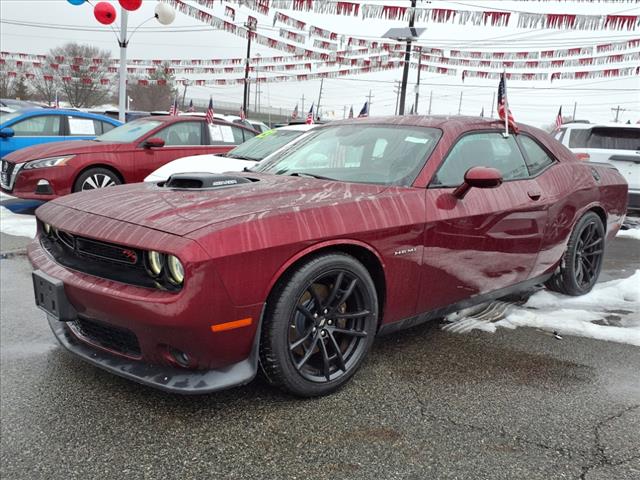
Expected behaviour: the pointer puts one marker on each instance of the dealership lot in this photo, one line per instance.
(427, 404)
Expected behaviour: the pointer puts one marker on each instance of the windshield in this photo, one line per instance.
(365, 153)
(5, 117)
(264, 144)
(129, 132)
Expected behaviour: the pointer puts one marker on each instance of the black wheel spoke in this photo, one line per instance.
(353, 333)
(301, 340)
(335, 290)
(593, 244)
(325, 360)
(362, 313)
(305, 311)
(336, 347)
(594, 253)
(307, 354)
(316, 298)
(347, 293)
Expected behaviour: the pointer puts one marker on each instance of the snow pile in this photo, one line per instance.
(629, 233)
(16, 224)
(615, 305)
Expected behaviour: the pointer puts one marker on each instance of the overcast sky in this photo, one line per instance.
(531, 102)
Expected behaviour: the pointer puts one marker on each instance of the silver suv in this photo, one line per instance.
(615, 143)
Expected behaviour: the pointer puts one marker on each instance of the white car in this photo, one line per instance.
(614, 143)
(243, 156)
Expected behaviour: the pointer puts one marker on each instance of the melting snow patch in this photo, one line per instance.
(629, 233)
(615, 305)
(16, 224)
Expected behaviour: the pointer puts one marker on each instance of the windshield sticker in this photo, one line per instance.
(416, 140)
(266, 134)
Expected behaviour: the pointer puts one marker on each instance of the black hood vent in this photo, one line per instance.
(204, 181)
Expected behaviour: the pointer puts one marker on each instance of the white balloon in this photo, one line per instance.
(165, 14)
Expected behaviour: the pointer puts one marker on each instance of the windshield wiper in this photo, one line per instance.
(240, 157)
(310, 175)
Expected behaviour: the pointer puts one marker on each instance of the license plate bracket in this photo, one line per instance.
(51, 297)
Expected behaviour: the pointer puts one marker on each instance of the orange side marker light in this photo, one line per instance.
(222, 327)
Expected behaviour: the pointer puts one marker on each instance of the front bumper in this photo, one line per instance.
(169, 379)
(29, 184)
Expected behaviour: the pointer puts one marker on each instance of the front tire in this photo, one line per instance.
(319, 326)
(581, 264)
(95, 178)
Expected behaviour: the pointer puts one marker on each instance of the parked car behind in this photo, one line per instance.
(123, 155)
(25, 128)
(241, 157)
(614, 143)
(17, 104)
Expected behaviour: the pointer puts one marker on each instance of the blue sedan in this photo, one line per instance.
(25, 128)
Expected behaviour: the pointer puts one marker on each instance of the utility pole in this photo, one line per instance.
(302, 109)
(369, 97)
(430, 98)
(319, 98)
(407, 60)
(122, 76)
(396, 90)
(184, 94)
(415, 106)
(493, 101)
(245, 97)
(575, 106)
(344, 111)
(460, 104)
(617, 110)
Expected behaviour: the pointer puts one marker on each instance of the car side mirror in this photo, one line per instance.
(478, 177)
(154, 142)
(7, 132)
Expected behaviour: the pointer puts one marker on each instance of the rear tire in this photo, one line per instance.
(95, 178)
(319, 326)
(582, 261)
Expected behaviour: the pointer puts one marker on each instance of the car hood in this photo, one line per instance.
(181, 212)
(69, 147)
(199, 163)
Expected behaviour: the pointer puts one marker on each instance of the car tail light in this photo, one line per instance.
(583, 156)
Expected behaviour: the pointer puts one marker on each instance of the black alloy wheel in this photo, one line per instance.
(582, 261)
(321, 326)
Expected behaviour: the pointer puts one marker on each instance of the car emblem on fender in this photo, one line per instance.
(130, 255)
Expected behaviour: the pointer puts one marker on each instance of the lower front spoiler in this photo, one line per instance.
(169, 379)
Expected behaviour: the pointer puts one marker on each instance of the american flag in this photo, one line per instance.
(191, 107)
(351, 112)
(503, 110)
(210, 111)
(173, 111)
(559, 119)
(242, 114)
(294, 114)
(365, 110)
(309, 120)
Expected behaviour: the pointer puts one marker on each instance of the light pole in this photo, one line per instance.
(255, 103)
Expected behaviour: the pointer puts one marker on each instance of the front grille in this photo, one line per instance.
(106, 251)
(107, 336)
(8, 174)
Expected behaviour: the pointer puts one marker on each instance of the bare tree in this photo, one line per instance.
(7, 81)
(153, 92)
(84, 80)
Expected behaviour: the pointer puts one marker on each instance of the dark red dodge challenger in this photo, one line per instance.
(364, 227)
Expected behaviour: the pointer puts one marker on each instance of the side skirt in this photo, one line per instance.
(388, 328)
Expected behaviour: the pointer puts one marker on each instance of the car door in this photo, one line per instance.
(32, 130)
(489, 240)
(182, 139)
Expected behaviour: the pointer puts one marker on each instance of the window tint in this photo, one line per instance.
(183, 133)
(83, 127)
(537, 159)
(484, 150)
(614, 138)
(238, 137)
(248, 134)
(106, 126)
(45, 125)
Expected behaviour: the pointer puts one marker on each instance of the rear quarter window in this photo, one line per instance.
(606, 138)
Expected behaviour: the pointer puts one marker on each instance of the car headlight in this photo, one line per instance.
(155, 261)
(48, 162)
(176, 270)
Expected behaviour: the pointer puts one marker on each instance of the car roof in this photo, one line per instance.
(195, 116)
(30, 112)
(433, 121)
(584, 126)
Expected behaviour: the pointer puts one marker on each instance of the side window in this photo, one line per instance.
(42, 126)
(482, 150)
(221, 134)
(560, 134)
(238, 137)
(82, 127)
(183, 133)
(537, 159)
(106, 126)
(248, 134)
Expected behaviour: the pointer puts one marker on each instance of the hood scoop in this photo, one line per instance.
(202, 181)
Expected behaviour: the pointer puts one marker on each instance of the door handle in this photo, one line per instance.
(534, 194)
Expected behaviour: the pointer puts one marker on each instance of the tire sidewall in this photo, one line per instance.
(571, 283)
(77, 185)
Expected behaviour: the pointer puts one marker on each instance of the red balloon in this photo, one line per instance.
(130, 5)
(105, 13)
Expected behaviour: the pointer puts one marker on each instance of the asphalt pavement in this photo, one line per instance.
(427, 404)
